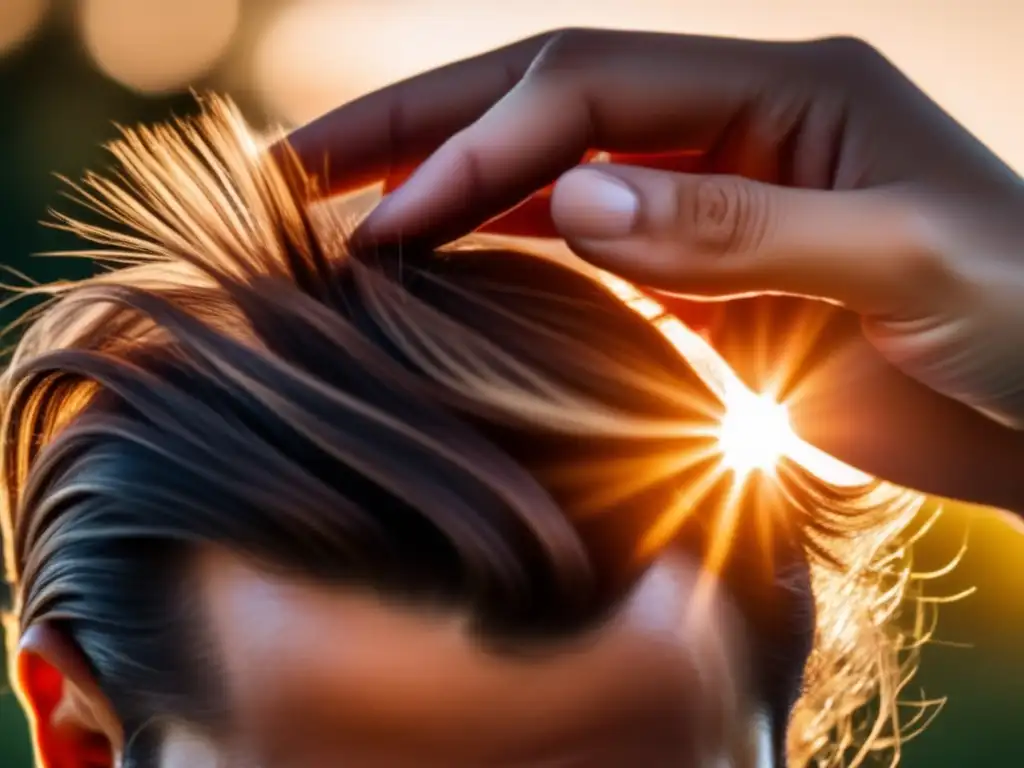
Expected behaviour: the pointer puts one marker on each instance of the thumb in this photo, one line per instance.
(720, 236)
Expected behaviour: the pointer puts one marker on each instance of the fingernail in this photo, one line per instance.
(592, 204)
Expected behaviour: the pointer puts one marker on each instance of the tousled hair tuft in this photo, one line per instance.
(477, 428)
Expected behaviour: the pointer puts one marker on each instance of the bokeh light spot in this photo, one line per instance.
(19, 19)
(157, 46)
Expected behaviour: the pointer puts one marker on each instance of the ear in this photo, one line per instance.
(73, 724)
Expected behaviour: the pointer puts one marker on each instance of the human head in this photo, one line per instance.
(271, 502)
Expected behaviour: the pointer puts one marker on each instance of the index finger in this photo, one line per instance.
(620, 92)
(387, 132)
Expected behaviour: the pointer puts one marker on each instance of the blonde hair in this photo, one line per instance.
(199, 221)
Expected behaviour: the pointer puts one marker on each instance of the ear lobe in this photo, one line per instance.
(73, 724)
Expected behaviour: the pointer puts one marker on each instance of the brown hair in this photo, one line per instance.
(478, 428)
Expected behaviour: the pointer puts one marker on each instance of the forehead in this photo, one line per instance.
(325, 677)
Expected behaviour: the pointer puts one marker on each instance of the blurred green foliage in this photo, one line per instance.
(57, 111)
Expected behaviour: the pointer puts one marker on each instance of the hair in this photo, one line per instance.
(478, 428)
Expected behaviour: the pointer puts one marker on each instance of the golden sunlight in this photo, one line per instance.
(157, 46)
(755, 431)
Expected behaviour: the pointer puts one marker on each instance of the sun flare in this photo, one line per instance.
(755, 432)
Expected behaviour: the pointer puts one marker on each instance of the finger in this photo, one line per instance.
(391, 130)
(532, 218)
(396, 177)
(585, 90)
(726, 236)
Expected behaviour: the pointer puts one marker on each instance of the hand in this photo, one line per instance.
(810, 169)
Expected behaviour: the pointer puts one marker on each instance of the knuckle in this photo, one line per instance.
(845, 49)
(721, 214)
(920, 260)
(845, 60)
(567, 50)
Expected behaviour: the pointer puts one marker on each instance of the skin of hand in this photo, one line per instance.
(738, 169)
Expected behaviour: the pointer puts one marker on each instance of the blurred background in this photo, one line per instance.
(71, 69)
